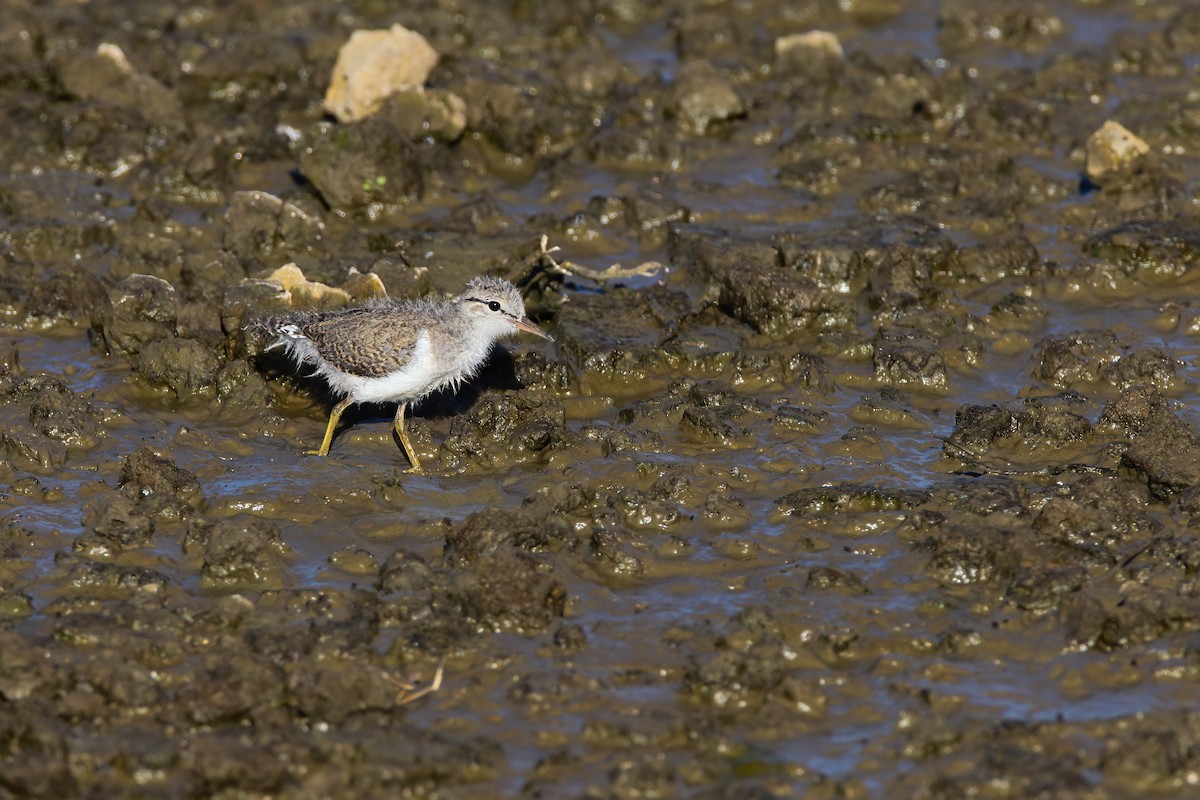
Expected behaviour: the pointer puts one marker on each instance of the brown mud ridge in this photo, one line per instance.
(886, 483)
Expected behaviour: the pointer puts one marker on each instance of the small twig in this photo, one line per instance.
(614, 273)
(409, 691)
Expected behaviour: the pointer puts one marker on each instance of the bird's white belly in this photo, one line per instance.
(419, 375)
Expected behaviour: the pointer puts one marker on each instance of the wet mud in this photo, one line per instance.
(872, 470)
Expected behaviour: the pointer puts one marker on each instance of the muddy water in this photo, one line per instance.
(884, 481)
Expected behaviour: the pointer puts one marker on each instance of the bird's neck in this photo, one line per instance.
(475, 337)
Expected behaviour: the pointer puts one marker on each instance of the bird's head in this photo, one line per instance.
(496, 308)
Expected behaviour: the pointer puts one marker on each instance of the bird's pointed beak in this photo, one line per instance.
(524, 324)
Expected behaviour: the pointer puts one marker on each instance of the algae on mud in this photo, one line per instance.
(885, 484)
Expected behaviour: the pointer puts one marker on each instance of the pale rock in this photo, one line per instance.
(304, 293)
(813, 54)
(372, 66)
(1113, 148)
(116, 56)
(363, 285)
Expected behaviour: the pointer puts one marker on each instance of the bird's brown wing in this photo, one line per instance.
(371, 342)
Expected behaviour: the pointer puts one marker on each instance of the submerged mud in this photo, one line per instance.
(872, 470)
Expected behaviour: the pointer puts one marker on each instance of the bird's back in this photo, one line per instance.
(371, 340)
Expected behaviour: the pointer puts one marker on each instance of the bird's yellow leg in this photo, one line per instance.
(334, 416)
(407, 445)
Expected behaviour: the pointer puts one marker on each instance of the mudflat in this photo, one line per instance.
(864, 461)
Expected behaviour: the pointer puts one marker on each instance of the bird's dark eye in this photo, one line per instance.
(494, 305)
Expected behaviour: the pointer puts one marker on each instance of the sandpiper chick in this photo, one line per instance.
(400, 351)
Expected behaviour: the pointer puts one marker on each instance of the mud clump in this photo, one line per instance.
(184, 366)
(844, 499)
(245, 302)
(139, 309)
(493, 576)
(239, 385)
(507, 591)
(777, 301)
(627, 347)
(494, 580)
(706, 410)
(235, 554)
(485, 533)
(147, 474)
(752, 668)
(1163, 448)
(369, 164)
(506, 428)
(1045, 423)
(57, 421)
(702, 96)
(152, 491)
(107, 76)
(1075, 358)
(1155, 251)
(265, 230)
(69, 295)
(60, 414)
(910, 362)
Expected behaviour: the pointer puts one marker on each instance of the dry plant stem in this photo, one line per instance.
(408, 691)
(614, 273)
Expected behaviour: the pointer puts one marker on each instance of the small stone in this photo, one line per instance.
(1113, 148)
(116, 56)
(372, 66)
